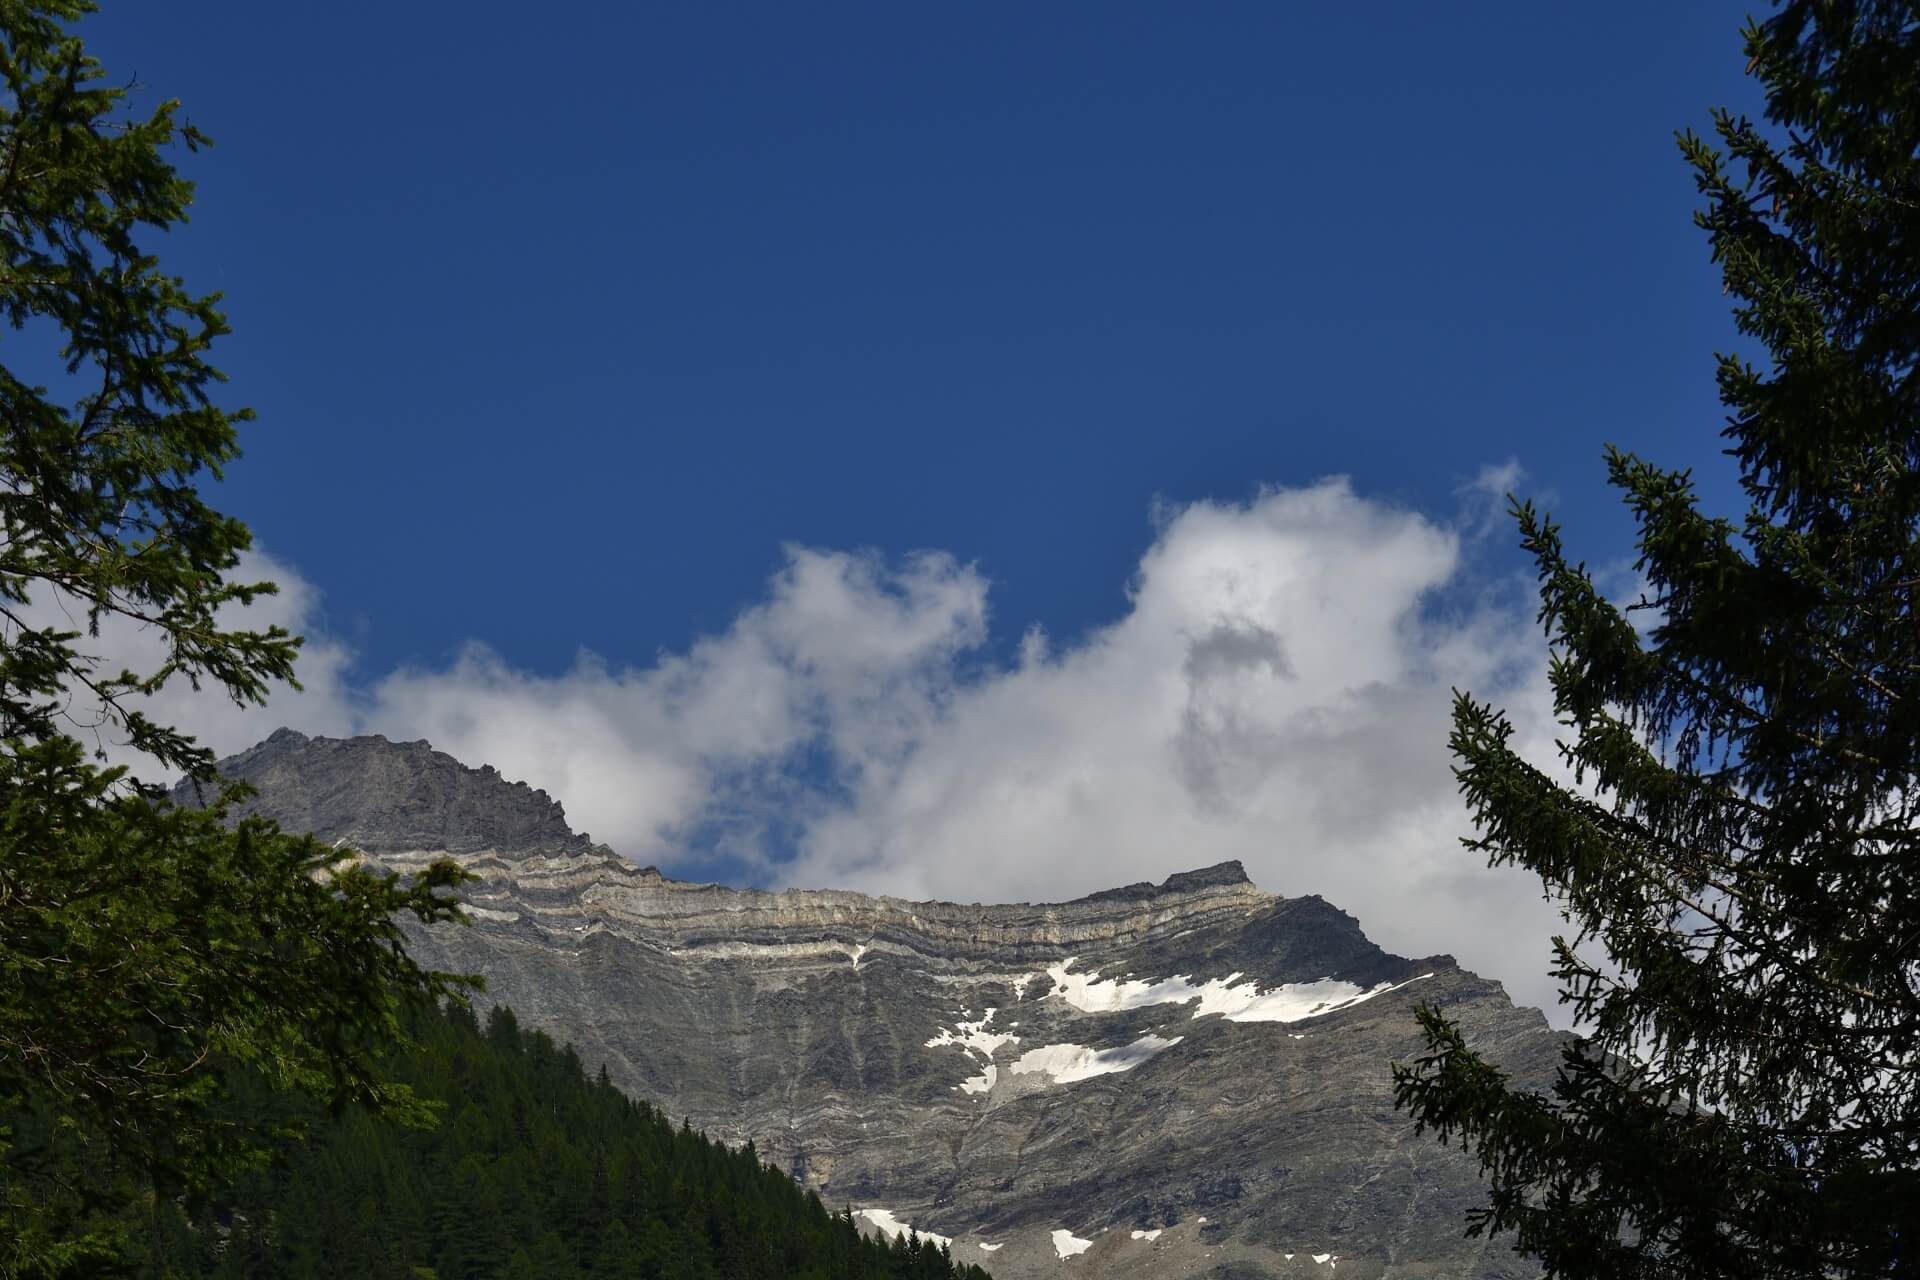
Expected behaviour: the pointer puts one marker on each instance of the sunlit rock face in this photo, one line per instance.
(1182, 1079)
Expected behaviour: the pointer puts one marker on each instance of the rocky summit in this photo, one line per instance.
(1183, 1079)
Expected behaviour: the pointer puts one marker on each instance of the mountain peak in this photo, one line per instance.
(389, 797)
(1229, 873)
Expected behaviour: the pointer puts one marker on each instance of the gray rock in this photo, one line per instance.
(975, 1071)
(392, 797)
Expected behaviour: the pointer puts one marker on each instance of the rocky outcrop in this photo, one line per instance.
(385, 797)
(1187, 1078)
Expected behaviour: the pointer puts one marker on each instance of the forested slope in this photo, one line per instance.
(533, 1171)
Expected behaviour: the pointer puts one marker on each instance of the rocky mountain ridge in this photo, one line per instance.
(1178, 1079)
(391, 797)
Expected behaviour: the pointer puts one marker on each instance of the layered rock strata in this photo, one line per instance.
(1181, 1079)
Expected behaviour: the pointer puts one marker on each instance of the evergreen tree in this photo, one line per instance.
(1740, 852)
(485, 1196)
(145, 953)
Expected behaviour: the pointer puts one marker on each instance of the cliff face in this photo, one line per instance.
(1182, 1079)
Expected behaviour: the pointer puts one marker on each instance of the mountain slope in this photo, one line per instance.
(534, 1173)
(1181, 1079)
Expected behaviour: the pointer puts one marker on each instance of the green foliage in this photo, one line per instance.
(97, 503)
(537, 1173)
(145, 953)
(1740, 838)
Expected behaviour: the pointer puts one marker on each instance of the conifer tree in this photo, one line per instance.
(1737, 847)
(145, 952)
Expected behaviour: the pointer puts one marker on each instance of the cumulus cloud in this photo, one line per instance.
(1276, 690)
(844, 651)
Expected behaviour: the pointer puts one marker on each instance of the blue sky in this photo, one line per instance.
(608, 308)
(922, 418)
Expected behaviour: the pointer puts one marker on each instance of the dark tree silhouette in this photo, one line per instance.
(1740, 852)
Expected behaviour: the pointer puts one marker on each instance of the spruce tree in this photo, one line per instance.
(1736, 841)
(146, 953)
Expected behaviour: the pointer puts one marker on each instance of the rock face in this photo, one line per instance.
(1172, 1080)
(387, 797)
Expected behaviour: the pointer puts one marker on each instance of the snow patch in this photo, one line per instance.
(1236, 1001)
(989, 1248)
(977, 1043)
(488, 913)
(884, 1221)
(1149, 1235)
(1066, 1244)
(856, 951)
(974, 1036)
(1067, 1063)
(982, 1083)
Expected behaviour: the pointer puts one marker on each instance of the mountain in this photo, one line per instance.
(1180, 1079)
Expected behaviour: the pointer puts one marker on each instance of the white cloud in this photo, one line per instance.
(842, 650)
(1277, 691)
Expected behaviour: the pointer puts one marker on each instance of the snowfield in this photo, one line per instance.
(1233, 1000)
(1066, 1063)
